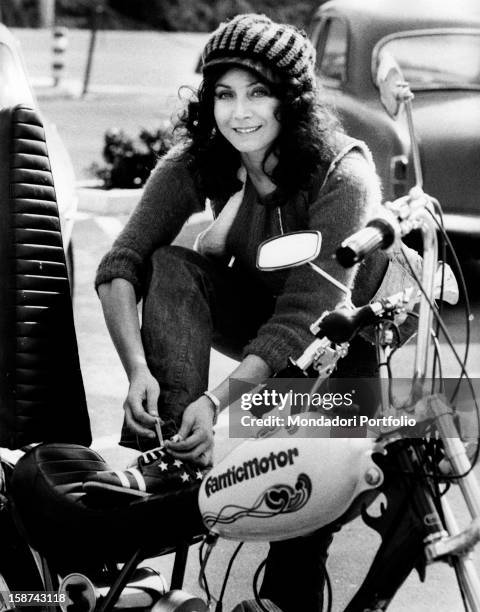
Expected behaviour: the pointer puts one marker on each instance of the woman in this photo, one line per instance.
(270, 157)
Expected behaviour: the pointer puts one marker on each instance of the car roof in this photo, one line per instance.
(392, 15)
(369, 21)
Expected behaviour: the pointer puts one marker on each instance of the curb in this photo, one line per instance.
(73, 89)
(113, 202)
(107, 201)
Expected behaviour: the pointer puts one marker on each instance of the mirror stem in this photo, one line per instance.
(338, 284)
(415, 152)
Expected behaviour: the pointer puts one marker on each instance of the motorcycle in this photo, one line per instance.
(293, 477)
(73, 554)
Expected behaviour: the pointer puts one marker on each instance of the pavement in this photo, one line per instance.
(137, 80)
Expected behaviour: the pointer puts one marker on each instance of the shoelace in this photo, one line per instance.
(151, 456)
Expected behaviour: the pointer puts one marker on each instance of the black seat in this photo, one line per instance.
(66, 527)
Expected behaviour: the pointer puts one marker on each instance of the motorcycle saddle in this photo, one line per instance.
(61, 522)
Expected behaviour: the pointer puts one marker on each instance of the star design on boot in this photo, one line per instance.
(156, 471)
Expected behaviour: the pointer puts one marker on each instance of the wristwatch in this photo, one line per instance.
(215, 403)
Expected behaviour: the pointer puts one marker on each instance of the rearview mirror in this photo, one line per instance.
(288, 250)
(389, 79)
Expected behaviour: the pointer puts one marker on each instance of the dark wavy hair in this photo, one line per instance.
(304, 144)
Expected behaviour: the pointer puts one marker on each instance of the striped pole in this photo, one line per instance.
(60, 44)
(96, 16)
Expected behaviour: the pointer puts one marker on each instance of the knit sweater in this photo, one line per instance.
(339, 204)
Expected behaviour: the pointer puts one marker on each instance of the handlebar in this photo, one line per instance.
(378, 234)
(339, 326)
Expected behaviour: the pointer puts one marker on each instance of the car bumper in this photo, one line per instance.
(465, 225)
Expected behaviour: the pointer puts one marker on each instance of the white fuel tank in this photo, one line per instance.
(284, 485)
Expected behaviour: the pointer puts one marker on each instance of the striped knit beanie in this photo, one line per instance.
(258, 43)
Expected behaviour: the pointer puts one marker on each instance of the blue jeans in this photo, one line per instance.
(190, 304)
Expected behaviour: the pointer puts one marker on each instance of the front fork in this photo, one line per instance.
(414, 530)
(408, 520)
(458, 543)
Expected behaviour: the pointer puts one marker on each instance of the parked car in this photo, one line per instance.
(15, 89)
(437, 46)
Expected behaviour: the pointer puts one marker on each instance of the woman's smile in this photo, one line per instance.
(245, 112)
(247, 130)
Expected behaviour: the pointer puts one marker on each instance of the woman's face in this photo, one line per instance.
(244, 110)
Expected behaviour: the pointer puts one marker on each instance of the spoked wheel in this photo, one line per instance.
(18, 566)
(18, 572)
(251, 605)
(4, 594)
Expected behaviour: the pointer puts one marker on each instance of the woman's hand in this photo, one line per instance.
(196, 434)
(196, 431)
(141, 403)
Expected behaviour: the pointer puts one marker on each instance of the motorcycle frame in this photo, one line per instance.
(436, 543)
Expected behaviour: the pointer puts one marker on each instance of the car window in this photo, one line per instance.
(437, 59)
(13, 82)
(332, 51)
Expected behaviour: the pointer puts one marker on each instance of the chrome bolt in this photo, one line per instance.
(373, 476)
(387, 336)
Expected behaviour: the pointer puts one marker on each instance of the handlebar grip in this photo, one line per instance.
(379, 234)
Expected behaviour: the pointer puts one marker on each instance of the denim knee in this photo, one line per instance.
(173, 256)
(172, 271)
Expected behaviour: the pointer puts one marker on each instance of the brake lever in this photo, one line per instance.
(341, 324)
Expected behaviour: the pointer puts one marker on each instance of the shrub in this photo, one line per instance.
(128, 161)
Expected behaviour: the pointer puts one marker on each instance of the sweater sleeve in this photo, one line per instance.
(342, 206)
(170, 196)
